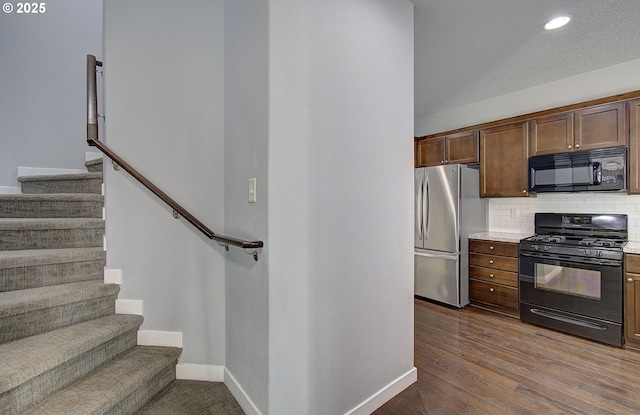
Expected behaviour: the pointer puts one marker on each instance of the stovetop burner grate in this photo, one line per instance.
(607, 243)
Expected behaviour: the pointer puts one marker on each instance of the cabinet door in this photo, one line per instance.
(634, 147)
(552, 134)
(431, 152)
(632, 308)
(462, 148)
(504, 161)
(600, 127)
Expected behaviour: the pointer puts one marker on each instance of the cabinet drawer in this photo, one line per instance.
(494, 276)
(493, 294)
(493, 247)
(493, 261)
(632, 263)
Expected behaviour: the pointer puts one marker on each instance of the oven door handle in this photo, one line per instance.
(591, 261)
(566, 319)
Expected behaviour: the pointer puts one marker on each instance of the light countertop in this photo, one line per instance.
(632, 247)
(499, 236)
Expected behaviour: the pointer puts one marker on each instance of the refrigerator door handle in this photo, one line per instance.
(425, 204)
(443, 255)
(418, 211)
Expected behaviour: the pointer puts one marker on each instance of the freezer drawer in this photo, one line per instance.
(437, 277)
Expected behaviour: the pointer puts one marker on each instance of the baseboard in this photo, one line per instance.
(113, 276)
(207, 373)
(241, 396)
(159, 338)
(129, 307)
(38, 171)
(385, 394)
(10, 190)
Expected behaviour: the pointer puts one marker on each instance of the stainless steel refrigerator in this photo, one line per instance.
(447, 209)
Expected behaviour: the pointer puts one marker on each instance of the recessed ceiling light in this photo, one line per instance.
(557, 22)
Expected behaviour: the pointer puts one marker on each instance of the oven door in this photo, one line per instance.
(592, 289)
(573, 297)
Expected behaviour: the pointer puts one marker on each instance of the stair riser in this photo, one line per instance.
(139, 398)
(15, 401)
(50, 238)
(50, 209)
(63, 186)
(94, 168)
(42, 320)
(46, 275)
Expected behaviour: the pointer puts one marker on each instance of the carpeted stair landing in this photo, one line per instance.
(63, 350)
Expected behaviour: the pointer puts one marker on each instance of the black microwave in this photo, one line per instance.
(592, 170)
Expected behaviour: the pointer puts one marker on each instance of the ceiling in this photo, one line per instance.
(469, 50)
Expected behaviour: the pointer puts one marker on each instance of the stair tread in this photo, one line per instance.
(23, 301)
(31, 356)
(35, 257)
(101, 389)
(60, 177)
(49, 223)
(80, 197)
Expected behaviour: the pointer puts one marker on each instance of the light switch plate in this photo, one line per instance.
(252, 190)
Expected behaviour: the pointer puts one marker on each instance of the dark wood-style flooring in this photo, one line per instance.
(472, 361)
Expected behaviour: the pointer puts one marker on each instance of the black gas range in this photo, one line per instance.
(571, 276)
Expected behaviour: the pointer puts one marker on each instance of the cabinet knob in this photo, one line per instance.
(446, 161)
(524, 191)
(577, 145)
(491, 247)
(491, 276)
(490, 289)
(441, 161)
(569, 147)
(491, 261)
(630, 279)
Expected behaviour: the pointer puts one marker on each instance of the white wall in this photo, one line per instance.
(43, 82)
(317, 97)
(340, 202)
(165, 115)
(612, 80)
(246, 137)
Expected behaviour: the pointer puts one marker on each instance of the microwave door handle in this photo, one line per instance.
(597, 173)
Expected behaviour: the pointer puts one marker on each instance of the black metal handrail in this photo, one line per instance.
(250, 247)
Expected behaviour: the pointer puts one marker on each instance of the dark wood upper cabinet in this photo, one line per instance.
(430, 152)
(600, 127)
(590, 128)
(503, 147)
(455, 148)
(552, 134)
(504, 152)
(462, 148)
(633, 183)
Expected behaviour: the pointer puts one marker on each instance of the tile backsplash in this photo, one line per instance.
(516, 214)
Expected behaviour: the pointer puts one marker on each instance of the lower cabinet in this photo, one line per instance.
(632, 301)
(493, 276)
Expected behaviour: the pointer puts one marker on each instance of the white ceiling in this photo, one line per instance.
(470, 50)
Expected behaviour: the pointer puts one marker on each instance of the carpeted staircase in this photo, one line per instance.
(63, 350)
